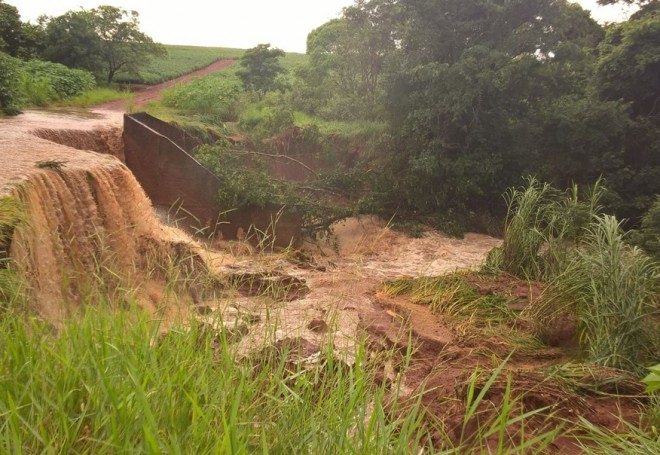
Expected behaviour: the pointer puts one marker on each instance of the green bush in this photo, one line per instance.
(37, 91)
(212, 97)
(65, 82)
(10, 90)
(261, 121)
(648, 236)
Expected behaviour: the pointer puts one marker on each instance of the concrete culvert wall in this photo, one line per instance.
(173, 179)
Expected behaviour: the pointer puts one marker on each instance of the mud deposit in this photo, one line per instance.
(91, 211)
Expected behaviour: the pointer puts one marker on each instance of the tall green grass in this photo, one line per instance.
(541, 227)
(109, 383)
(11, 215)
(593, 274)
(615, 289)
(97, 96)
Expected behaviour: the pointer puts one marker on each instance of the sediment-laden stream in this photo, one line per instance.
(91, 231)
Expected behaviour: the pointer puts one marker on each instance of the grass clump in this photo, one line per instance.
(541, 226)
(614, 288)
(109, 383)
(454, 296)
(11, 215)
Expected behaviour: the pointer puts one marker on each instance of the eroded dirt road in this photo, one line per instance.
(154, 92)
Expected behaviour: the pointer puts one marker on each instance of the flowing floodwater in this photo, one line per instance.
(92, 238)
(89, 214)
(89, 218)
(90, 225)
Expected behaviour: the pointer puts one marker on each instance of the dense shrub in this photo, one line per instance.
(65, 82)
(648, 236)
(37, 90)
(10, 93)
(213, 97)
(263, 121)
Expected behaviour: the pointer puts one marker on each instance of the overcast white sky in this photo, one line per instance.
(234, 23)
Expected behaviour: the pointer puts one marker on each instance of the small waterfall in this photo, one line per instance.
(91, 234)
(102, 140)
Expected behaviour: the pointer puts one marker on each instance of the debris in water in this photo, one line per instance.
(55, 165)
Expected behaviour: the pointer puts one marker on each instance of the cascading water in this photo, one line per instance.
(102, 140)
(90, 236)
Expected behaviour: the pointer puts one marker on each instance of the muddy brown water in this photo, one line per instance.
(90, 210)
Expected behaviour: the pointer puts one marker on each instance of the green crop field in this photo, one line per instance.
(181, 60)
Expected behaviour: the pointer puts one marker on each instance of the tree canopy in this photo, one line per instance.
(17, 38)
(478, 93)
(260, 67)
(104, 40)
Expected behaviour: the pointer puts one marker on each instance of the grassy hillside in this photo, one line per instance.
(178, 61)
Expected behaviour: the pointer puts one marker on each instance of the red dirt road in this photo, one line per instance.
(154, 92)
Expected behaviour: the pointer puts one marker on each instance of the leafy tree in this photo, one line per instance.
(123, 45)
(481, 85)
(10, 29)
(17, 38)
(628, 71)
(629, 64)
(260, 67)
(71, 40)
(10, 95)
(440, 30)
(629, 2)
(348, 58)
(105, 39)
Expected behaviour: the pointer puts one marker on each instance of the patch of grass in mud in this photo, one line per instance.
(542, 401)
(454, 296)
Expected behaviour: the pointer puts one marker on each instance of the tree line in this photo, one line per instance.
(478, 93)
(102, 40)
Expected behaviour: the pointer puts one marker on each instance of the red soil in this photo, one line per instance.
(154, 92)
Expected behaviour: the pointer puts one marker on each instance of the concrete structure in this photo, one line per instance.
(160, 156)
